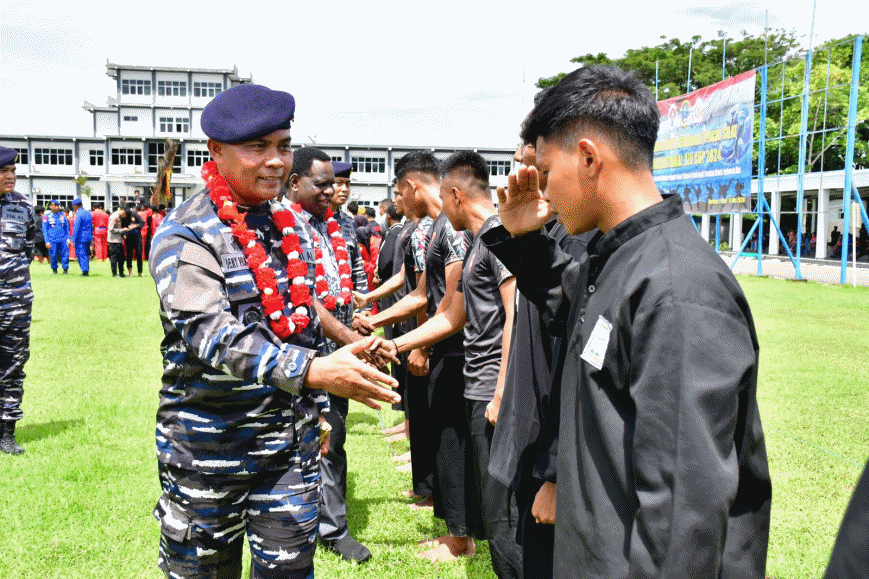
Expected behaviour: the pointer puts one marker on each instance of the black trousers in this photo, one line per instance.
(500, 513)
(333, 470)
(422, 437)
(116, 258)
(133, 245)
(455, 497)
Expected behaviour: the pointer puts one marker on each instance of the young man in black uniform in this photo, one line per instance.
(662, 467)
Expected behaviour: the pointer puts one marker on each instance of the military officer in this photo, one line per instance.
(237, 424)
(16, 297)
(55, 230)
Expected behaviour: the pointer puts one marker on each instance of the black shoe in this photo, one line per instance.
(54, 271)
(66, 271)
(7, 438)
(85, 273)
(350, 549)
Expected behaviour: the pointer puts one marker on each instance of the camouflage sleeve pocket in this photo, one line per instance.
(199, 283)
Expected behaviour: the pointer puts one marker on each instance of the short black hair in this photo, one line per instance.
(417, 162)
(304, 158)
(603, 99)
(353, 208)
(369, 212)
(468, 166)
(385, 202)
(392, 212)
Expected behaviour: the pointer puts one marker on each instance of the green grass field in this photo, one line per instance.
(78, 503)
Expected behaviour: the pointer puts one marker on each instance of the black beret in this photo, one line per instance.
(342, 169)
(245, 112)
(7, 156)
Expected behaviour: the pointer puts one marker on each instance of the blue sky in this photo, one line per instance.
(454, 73)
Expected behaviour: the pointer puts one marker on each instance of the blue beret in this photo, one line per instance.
(342, 169)
(55, 201)
(7, 156)
(77, 201)
(245, 112)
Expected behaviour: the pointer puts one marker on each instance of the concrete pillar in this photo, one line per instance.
(735, 231)
(704, 226)
(775, 207)
(823, 223)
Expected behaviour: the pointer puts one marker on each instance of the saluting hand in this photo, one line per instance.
(521, 206)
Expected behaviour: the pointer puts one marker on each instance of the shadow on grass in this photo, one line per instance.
(34, 432)
(361, 419)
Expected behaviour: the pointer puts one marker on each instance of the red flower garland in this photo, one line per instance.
(342, 256)
(265, 277)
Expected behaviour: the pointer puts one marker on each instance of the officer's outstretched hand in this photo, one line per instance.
(521, 206)
(343, 374)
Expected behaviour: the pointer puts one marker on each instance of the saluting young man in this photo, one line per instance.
(662, 467)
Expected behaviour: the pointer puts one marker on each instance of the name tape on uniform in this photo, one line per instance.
(595, 349)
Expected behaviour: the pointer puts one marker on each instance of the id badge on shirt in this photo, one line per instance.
(595, 349)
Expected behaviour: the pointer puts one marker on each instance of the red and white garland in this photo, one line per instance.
(342, 256)
(272, 301)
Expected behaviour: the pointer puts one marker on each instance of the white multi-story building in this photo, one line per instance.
(156, 103)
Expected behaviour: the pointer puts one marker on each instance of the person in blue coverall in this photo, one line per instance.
(55, 230)
(82, 235)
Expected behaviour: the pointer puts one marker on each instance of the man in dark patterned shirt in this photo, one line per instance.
(16, 297)
(237, 436)
(312, 185)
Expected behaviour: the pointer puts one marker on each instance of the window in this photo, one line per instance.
(23, 157)
(133, 86)
(171, 88)
(174, 125)
(369, 164)
(43, 198)
(338, 159)
(197, 158)
(52, 156)
(96, 157)
(155, 151)
(207, 89)
(499, 167)
(131, 118)
(126, 156)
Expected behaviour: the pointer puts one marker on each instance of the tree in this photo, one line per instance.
(829, 93)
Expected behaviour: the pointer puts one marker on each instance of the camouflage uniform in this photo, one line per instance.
(16, 299)
(237, 435)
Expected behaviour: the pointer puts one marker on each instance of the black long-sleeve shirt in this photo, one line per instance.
(662, 468)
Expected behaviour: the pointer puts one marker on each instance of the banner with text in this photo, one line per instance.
(703, 151)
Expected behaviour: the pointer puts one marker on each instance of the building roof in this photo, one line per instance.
(112, 70)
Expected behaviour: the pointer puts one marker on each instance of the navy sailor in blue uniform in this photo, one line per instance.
(16, 297)
(238, 442)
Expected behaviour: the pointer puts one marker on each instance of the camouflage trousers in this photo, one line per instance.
(204, 518)
(15, 313)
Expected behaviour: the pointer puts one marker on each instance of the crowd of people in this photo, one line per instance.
(579, 391)
(125, 234)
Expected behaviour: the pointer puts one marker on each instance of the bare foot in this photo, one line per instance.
(394, 429)
(451, 549)
(396, 437)
(426, 503)
(402, 457)
(406, 467)
(411, 495)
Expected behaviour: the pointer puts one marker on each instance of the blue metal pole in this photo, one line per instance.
(849, 154)
(745, 243)
(761, 167)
